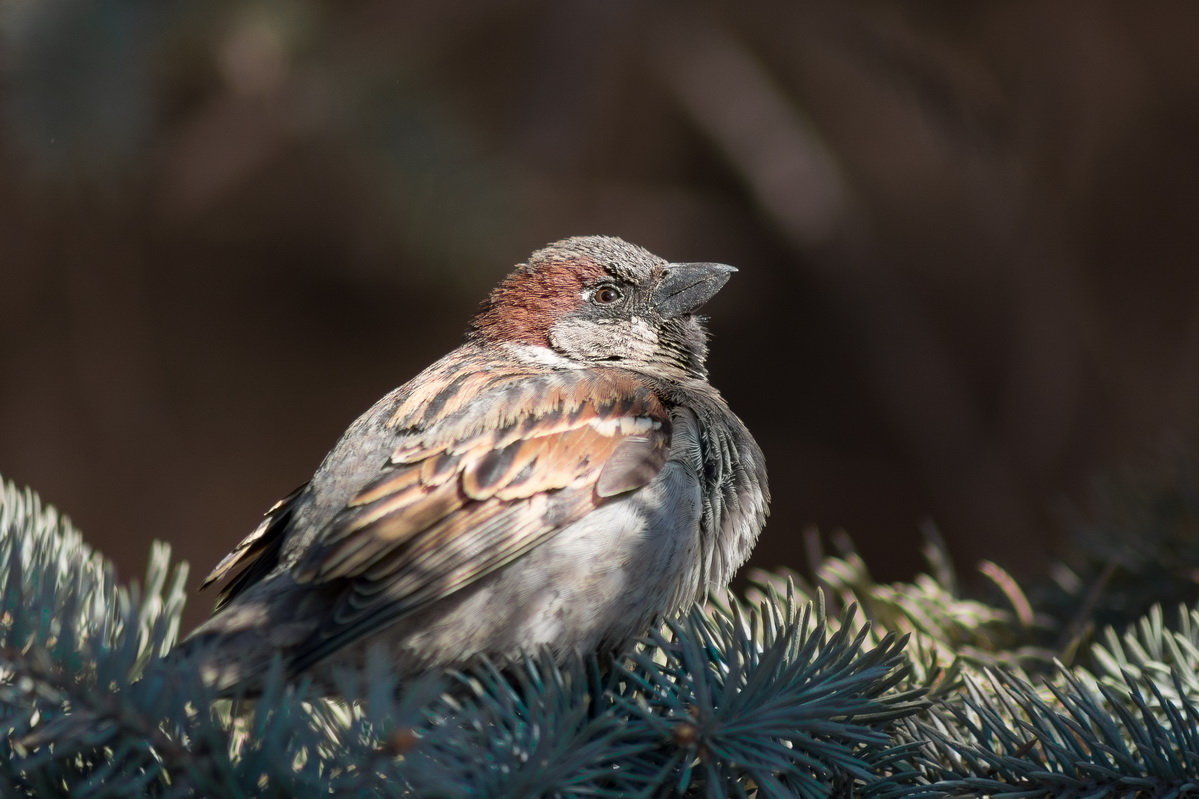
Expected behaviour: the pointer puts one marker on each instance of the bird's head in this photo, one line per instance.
(599, 299)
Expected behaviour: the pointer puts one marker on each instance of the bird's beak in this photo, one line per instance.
(688, 286)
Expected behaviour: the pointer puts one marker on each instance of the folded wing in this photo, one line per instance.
(478, 489)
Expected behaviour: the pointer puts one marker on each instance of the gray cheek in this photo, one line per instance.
(621, 338)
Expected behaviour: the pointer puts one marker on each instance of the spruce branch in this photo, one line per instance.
(836, 687)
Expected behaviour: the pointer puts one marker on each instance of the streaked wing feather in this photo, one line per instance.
(633, 463)
(488, 487)
(256, 554)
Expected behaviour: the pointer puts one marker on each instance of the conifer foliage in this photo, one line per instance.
(837, 686)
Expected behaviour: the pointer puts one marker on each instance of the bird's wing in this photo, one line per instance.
(256, 554)
(477, 490)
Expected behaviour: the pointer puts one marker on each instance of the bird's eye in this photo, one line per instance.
(606, 295)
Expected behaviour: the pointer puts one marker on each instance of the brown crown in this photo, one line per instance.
(522, 309)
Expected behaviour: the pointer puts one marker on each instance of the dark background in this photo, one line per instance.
(966, 235)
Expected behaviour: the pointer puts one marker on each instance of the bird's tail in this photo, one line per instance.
(236, 649)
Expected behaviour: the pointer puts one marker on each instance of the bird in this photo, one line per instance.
(562, 480)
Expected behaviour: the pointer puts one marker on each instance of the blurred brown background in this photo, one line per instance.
(966, 234)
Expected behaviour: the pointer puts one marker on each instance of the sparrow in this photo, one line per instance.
(564, 478)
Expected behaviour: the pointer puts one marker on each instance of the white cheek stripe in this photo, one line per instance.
(542, 356)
